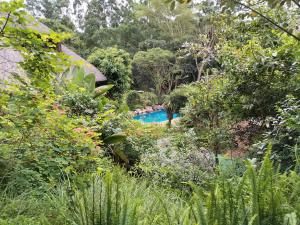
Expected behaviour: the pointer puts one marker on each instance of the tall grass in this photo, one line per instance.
(260, 197)
(33, 207)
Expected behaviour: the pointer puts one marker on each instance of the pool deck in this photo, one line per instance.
(164, 123)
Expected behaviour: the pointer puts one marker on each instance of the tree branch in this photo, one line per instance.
(5, 24)
(268, 19)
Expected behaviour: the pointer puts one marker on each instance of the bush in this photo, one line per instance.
(140, 138)
(134, 100)
(116, 66)
(284, 134)
(208, 113)
(115, 198)
(261, 196)
(141, 99)
(149, 98)
(178, 98)
(38, 143)
(177, 160)
(35, 208)
(80, 103)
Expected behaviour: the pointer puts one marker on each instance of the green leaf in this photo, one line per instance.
(78, 76)
(90, 81)
(102, 90)
(121, 155)
(115, 138)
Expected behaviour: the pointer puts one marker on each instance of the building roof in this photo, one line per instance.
(9, 58)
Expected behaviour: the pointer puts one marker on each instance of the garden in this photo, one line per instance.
(177, 112)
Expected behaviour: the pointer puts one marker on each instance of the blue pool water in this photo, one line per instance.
(157, 116)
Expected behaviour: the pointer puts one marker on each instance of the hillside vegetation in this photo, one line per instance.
(71, 151)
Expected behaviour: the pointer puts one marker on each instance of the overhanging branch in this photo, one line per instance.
(5, 24)
(268, 19)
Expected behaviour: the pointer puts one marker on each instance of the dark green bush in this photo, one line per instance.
(116, 66)
(80, 103)
(134, 100)
(284, 134)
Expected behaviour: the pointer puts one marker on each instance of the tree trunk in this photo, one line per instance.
(200, 70)
(217, 144)
(170, 116)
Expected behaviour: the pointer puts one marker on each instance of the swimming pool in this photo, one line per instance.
(157, 116)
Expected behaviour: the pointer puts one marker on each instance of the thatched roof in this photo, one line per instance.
(9, 58)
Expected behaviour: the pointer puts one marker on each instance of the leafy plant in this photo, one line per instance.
(261, 75)
(38, 142)
(80, 94)
(41, 62)
(177, 159)
(261, 196)
(116, 65)
(207, 112)
(139, 138)
(283, 132)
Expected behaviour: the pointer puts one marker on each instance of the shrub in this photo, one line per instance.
(141, 99)
(261, 196)
(134, 100)
(149, 98)
(80, 103)
(34, 207)
(178, 98)
(260, 74)
(284, 134)
(38, 143)
(177, 160)
(153, 69)
(208, 113)
(140, 138)
(115, 198)
(116, 65)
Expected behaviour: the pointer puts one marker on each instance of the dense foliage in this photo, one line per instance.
(72, 153)
(283, 133)
(116, 65)
(153, 69)
(39, 143)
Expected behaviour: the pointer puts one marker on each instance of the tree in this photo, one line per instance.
(207, 112)
(116, 65)
(102, 16)
(261, 74)
(175, 101)
(283, 132)
(257, 8)
(155, 66)
(203, 51)
(173, 26)
(51, 9)
(36, 138)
